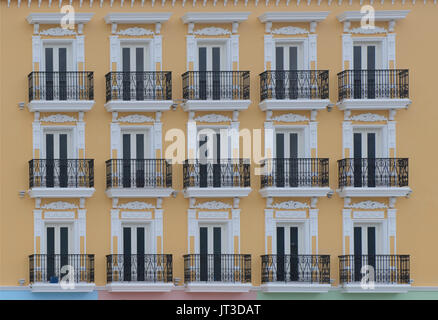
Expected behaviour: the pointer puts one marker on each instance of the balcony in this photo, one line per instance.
(295, 177)
(138, 178)
(216, 90)
(145, 273)
(373, 89)
(144, 91)
(61, 178)
(388, 273)
(217, 272)
(294, 90)
(226, 178)
(46, 271)
(373, 177)
(69, 91)
(295, 273)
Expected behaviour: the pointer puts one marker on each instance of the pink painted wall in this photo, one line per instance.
(175, 295)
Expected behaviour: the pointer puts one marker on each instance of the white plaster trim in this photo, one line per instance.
(136, 205)
(293, 16)
(368, 215)
(373, 104)
(139, 192)
(294, 287)
(289, 30)
(215, 17)
(217, 287)
(193, 192)
(140, 286)
(368, 205)
(213, 215)
(290, 205)
(57, 32)
(137, 17)
(59, 205)
(61, 192)
(368, 117)
(137, 215)
(212, 31)
(213, 205)
(378, 288)
(212, 118)
(59, 215)
(58, 118)
(290, 117)
(290, 215)
(56, 18)
(379, 15)
(299, 104)
(135, 31)
(135, 118)
(56, 287)
(374, 30)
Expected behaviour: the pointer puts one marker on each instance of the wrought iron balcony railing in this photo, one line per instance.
(373, 84)
(134, 267)
(139, 85)
(373, 172)
(296, 268)
(294, 84)
(67, 85)
(217, 267)
(138, 173)
(51, 268)
(216, 174)
(216, 85)
(382, 269)
(62, 173)
(295, 172)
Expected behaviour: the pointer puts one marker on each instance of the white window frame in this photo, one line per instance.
(303, 51)
(219, 128)
(224, 43)
(225, 238)
(303, 245)
(58, 225)
(305, 132)
(76, 56)
(71, 130)
(149, 51)
(387, 45)
(379, 233)
(149, 235)
(148, 129)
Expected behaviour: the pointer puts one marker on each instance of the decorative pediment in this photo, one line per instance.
(212, 118)
(290, 30)
(59, 205)
(368, 117)
(136, 205)
(213, 205)
(290, 117)
(368, 205)
(60, 118)
(290, 205)
(135, 31)
(373, 30)
(56, 32)
(212, 31)
(135, 118)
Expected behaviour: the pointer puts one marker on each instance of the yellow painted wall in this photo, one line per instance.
(416, 48)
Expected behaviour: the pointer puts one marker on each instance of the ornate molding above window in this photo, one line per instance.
(212, 118)
(212, 205)
(368, 117)
(290, 117)
(136, 205)
(289, 30)
(135, 31)
(212, 31)
(59, 205)
(290, 205)
(135, 118)
(57, 32)
(58, 118)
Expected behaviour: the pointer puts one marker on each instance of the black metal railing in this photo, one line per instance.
(138, 173)
(217, 267)
(296, 268)
(139, 85)
(63, 173)
(378, 268)
(67, 85)
(373, 172)
(216, 174)
(373, 84)
(134, 267)
(52, 268)
(294, 84)
(295, 172)
(216, 85)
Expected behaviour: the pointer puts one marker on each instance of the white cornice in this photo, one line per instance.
(137, 18)
(215, 17)
(293, 16)
(382, 15)
(55, 18)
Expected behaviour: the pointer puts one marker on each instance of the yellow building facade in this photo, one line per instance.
(234, 149)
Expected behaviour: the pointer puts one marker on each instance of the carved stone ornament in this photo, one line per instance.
(289, 30)
(136, 205)
(290, 205)
(212, 118)
(135, 118)
(368, 205)
(368, 117)
(213, 205)
(212, 31)
(60, 118)
(290, 117)
(56, 32)
(135, 31)
(374, 30)
(59, 205)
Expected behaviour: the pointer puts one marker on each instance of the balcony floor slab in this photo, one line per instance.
(216, 105)
(296, 104)
(294, 287)
(378, 288)
(56, 287)
(139, 286)
(230, 192)
(294, 192)
(138, 106)
(139, 192)
(373, 104)
(217, 287)
(60, 105)
(374, 192)
(61, 192)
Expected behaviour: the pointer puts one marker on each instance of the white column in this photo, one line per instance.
(191, 139)
(313, 217)
(36, 50)
(269, 230)
(235, 218)
(114, 52)
(158, 223)
(234, 50)
(38, 227)
(347, 137)
(191, 50)
(157, 50)
(269, 50)
(157, 138)
(115, 138)
(269, 139)
(347, 229)
(192, 223)
(347, 50)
